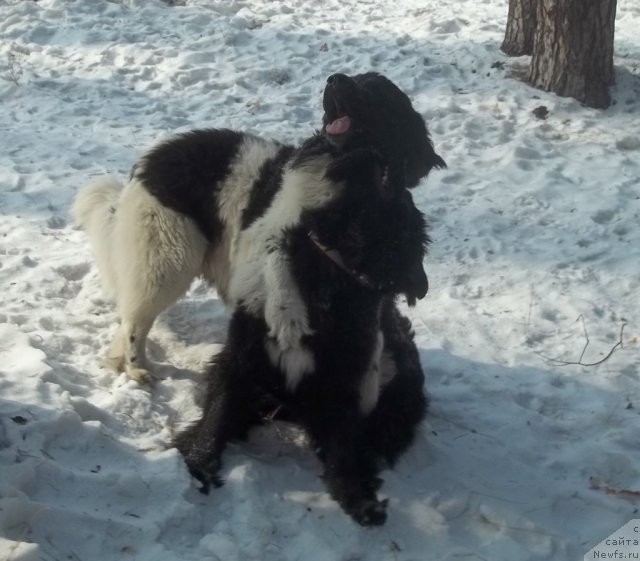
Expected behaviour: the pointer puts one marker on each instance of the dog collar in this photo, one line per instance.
(334, 255)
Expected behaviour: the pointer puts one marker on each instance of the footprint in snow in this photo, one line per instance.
(603, 216)
(73, 272)
(56, 223)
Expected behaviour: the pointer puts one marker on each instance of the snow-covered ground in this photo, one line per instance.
(536, 253)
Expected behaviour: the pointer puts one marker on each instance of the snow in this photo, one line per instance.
(536, 252)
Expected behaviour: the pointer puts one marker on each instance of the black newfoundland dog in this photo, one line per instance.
(352, 378)
(363, 398)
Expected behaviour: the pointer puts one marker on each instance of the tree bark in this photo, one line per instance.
(521, 27)
(573, 49)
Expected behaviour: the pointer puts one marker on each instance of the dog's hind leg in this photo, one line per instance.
(128, 350)
(159, 253)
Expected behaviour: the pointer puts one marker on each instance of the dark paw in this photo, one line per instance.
(207, 481)
(201, 467)
(370, 512)
(207, 475)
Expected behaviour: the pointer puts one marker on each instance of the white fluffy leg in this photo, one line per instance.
(115, 355)
(285, 312)
(134, 337)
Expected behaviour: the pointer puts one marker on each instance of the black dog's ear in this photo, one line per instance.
(421, 158)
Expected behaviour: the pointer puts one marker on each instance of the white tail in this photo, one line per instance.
(94, 209)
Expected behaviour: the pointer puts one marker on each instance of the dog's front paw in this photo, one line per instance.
(207, 476)
(290, 331)
(357, 497)
(287, 322)
(200, 464)
(140, 375)
(370, 512)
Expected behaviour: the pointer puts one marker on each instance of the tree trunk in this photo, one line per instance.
(521, 27)
(573, 49)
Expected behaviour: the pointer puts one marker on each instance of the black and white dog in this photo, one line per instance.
(219, 203)
(364, 395)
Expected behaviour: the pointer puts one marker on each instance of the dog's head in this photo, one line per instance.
(376, 235)
(369, 110)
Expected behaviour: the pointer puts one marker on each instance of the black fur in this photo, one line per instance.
(382, 235)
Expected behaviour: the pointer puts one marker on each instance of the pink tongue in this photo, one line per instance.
(339, 126)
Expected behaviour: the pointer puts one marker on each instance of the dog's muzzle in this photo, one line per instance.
(339, 94)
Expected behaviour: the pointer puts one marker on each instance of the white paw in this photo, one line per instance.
(140, 375)
(294, 362)
(287, 322)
